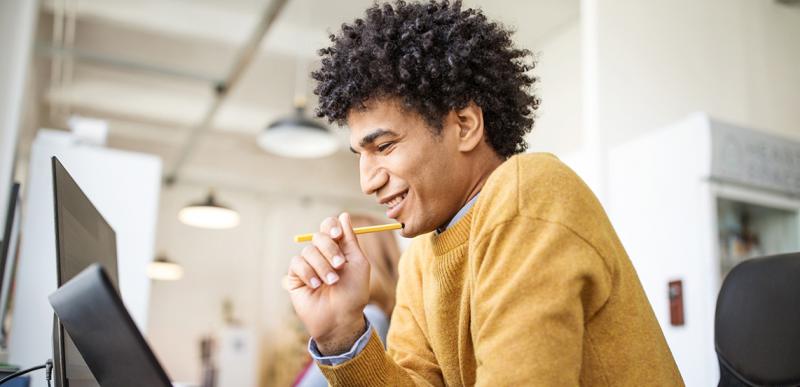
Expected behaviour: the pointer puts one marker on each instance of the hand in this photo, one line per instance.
(329, 286)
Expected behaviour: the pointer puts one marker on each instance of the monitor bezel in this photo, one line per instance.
(59, 366)
(8, 257)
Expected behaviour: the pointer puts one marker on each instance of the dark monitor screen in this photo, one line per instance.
(8, 254)
(5, 249)
(83, 237)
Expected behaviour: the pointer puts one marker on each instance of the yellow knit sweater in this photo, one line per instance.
(531, 287)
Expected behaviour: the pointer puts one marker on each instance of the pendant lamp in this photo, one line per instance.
(209, 214)
(162, 269)
(298, 136)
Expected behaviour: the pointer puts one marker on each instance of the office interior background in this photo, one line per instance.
(683, 116)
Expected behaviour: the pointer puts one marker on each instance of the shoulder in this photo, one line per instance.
(542, 173)
(532, 165)
(534, 190)
(536, 185)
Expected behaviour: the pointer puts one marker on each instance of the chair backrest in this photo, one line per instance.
(757, 324)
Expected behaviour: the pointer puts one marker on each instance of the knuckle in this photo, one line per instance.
(308, 251)
(321, 266)
(326, 223)
(324, 273)
(307, 272)
(318, 265)
(333, 251)
(296, 266)
(318, 237)
(325, 245)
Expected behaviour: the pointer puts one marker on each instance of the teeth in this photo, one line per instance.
(396, 201)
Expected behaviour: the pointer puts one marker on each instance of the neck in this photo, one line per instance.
(485, 167)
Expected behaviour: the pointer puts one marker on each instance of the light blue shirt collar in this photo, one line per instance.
(460, 214)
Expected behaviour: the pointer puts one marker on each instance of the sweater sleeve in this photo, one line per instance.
(535, 284)
(409, 360)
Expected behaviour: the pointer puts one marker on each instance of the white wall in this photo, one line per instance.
(217, 264)
(17, 21)
(245, 264)
(645, 65)
(736, 60)
(558, 126)
(664, 214)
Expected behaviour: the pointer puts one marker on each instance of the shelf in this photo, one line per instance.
(747, 230)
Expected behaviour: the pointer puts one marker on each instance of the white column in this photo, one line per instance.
(17, 22)
(593, 167)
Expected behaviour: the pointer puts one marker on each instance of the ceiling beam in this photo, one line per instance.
(245, 58)
(50, 51)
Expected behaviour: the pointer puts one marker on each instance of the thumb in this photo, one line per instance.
(349, 242)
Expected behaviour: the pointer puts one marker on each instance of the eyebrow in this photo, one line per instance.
(370, 138)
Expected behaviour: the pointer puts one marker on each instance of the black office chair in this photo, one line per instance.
(757, 325)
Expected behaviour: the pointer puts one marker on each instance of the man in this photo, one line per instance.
(515, 276)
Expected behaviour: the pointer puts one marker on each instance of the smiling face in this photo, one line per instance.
(422, 178)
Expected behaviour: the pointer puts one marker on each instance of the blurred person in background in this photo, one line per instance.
(384, 254)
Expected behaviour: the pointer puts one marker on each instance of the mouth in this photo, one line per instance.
(394, 204)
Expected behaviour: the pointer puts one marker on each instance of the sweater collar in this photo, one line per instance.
(459, 214)
(454, 236)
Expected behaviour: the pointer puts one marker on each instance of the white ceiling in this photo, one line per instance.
(151, 111)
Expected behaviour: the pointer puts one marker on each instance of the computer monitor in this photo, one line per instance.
(83, 237)
(93, 314)
(8, 255)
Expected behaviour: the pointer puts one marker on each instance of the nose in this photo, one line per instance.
(373, 176)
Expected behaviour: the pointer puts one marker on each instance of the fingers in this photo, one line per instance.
(300, 274)
(350, 241)
(347, 227)
(291, 282)
(329, 249)
(330, 226)
(320, 264)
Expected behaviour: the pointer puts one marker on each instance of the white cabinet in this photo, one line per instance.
(691, 200)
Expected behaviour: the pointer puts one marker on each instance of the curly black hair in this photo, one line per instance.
(435, 57)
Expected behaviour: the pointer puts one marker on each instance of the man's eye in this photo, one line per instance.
(384, 146)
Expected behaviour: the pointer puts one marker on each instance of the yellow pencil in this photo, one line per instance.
(357, 230)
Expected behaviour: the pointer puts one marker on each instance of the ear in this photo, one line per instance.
(470, 122)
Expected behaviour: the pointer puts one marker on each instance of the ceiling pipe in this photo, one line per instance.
(222, 89)
(86, 56)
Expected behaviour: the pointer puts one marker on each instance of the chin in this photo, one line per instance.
(407, 231)
(406, 234)
(411, 230)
